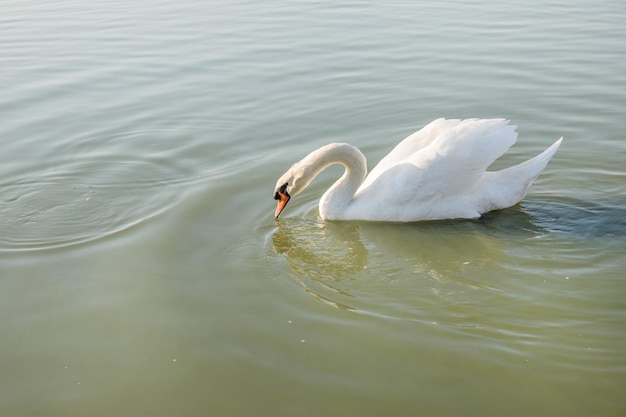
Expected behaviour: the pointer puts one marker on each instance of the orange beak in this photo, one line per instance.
(282, 202)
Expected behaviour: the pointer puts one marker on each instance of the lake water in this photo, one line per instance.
(142, 272)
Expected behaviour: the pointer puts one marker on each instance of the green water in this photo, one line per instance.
(142, 272)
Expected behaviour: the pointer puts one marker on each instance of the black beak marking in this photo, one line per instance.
(281, 190)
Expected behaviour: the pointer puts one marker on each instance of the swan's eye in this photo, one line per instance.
(283, 188)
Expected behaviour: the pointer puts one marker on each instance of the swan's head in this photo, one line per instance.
(290, 184)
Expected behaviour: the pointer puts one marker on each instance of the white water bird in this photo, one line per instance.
(439, 172)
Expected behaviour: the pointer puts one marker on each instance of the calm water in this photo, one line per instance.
(142, 273)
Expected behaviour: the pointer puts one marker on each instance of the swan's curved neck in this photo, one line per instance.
(336, 200)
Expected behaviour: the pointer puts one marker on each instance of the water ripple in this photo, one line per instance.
(89, 188)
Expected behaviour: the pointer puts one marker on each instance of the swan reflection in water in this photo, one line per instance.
(352, 265)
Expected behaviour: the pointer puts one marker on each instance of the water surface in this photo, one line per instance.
(142, 273)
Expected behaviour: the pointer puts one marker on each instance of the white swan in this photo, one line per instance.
(439, 172)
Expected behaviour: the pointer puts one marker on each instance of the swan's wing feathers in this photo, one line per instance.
(459, 157)
(443, 175)
(410, 145)
(474, 144)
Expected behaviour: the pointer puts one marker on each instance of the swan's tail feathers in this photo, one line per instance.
(533, 167)
(505, 188)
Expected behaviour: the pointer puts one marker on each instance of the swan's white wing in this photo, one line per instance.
(448, 166)
(410, 145)
(459, 157)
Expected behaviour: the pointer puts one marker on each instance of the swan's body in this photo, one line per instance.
(439, 172)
